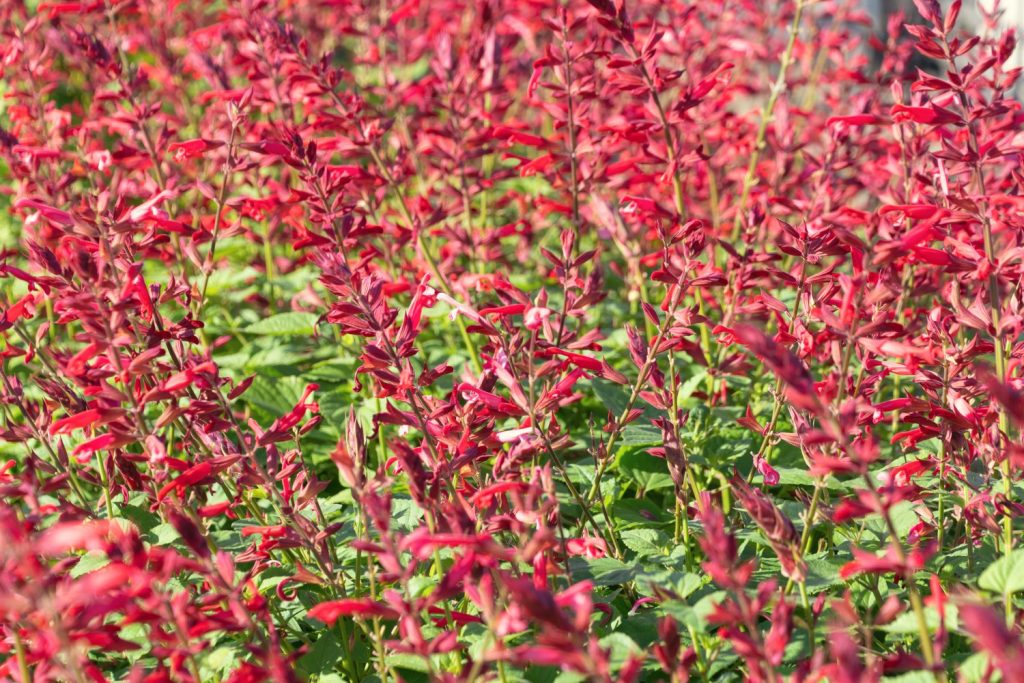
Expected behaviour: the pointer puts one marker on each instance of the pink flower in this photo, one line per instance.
(586, 546)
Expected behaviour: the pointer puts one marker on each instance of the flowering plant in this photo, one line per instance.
(617, 340)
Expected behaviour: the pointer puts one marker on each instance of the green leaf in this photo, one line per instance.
(973, 669)
(681, 583)
(691, 385)
(333, 370)
(405, 514)
(637, 511)
(278, 355)
(231, 281)
(291, 324)
(791, 476)
(89, 563)
(646, 470)
(611, 395)
(570, 677)
(139, 516)
(604, 571)
(321, 658)
(410, 662)
(694, 614)
(635, 435)
(219, 660)
(164, 534)
(642, 541)
(1005, 575)
(904, 517)
(911, 677)
(822, 572)
(621, 646)
(906, 623)
(276, 396)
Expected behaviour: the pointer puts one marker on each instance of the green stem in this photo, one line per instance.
(641, 379)
(215, 233)
(927, 649)
(19, 650)
(805, 535)
(766, 117)
(268, 265)
(106, 488)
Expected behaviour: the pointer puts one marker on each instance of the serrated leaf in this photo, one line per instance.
(290, 324)
(1005, 575)
(647, 471)
(231, 281)
(401, 660)
(165, 534)
(822, 573)
(694, 614)
(691, 384)
(611, 395)
(904, 517)
(621, 646)
(681, 583)
(633, 511)
(140, 517)
(89, 563)
(276, 396)
(220, 660)
(790, 476)
(604, 571)
(321, 658)
(974, 668)
(906, 623)
(642, 541)
(635, 435)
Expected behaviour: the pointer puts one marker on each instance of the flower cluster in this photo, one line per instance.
(507, 340)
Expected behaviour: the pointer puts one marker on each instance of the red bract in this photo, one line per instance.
(192, 148)
(493, 341)
(329, 612)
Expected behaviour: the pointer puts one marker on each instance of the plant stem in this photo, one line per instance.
(215, 233)
(927, 648)
(766, 117)
(641, 379)
(19, 650)
(1001, 350)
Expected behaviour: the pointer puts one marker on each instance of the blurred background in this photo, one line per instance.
(1003, 13)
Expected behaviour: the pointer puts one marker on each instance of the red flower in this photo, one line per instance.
(188, 149)
(329, 612)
